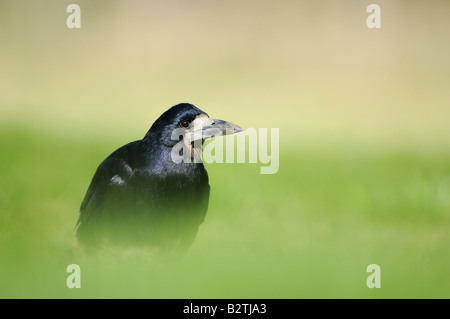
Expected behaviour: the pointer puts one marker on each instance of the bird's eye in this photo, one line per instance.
(184, 123)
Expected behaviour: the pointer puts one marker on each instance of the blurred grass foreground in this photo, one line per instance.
(363, 116)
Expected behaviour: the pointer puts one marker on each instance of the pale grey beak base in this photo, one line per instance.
(220, 127)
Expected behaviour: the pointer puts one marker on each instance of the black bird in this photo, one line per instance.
(155, 191)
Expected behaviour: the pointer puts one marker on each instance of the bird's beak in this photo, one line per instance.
(218, 128)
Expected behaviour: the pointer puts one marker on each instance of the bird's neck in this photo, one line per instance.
(161, 161)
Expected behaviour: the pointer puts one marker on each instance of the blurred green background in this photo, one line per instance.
(364, 175)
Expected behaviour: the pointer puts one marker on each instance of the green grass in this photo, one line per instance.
(308, 231)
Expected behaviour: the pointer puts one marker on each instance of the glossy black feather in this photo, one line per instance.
(138, 195)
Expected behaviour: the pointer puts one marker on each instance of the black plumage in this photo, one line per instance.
(140, 195)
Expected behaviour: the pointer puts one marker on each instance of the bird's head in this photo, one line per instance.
(187, 123)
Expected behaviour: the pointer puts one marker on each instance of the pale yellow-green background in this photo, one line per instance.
(311, 68)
